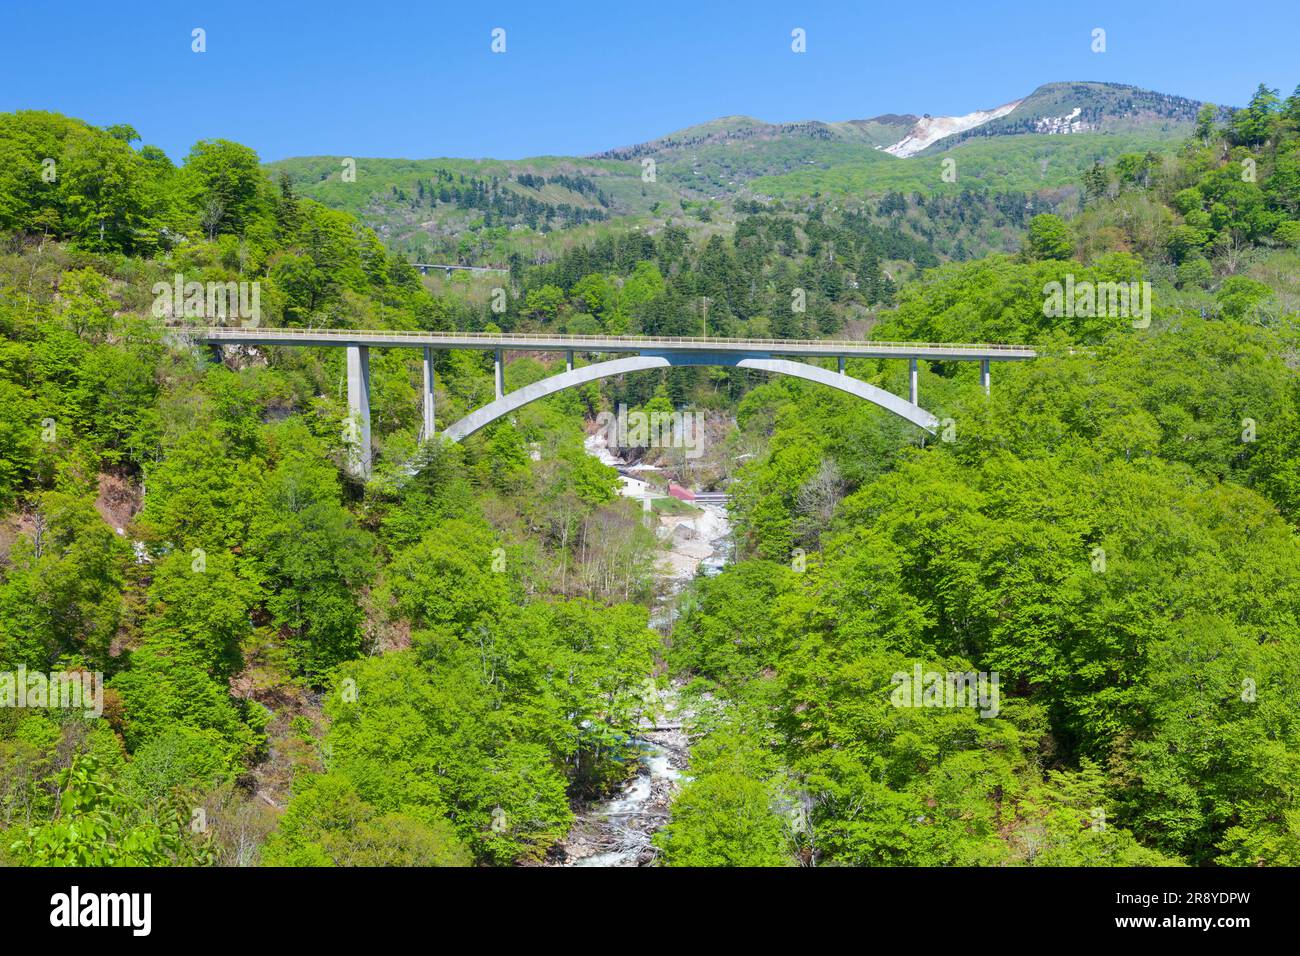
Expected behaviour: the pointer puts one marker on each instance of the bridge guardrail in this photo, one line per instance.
(635, 341)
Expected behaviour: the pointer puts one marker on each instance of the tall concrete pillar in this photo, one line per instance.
(911, 391)
(426, 431)
(841, 359)
(359, 411)
(500, 375)
(984, 374)
(568, 361)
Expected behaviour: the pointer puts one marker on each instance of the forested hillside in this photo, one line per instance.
(486, 211)
(302, 669)
(1112, 530)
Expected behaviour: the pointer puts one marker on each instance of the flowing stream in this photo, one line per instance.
(618, 831)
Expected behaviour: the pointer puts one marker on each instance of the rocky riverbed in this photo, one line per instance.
(618, 831)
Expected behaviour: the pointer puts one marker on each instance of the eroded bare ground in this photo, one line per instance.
(118, 499)
(292, 747)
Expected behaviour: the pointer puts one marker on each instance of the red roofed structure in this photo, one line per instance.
(677, 491)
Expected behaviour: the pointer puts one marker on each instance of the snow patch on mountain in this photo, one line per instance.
(1069, 123)
(930, 129)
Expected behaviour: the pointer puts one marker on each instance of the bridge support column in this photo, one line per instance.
(568, 361)
(426, 404)
(984, 375)
(216, 354)
(841, 360)
(911, 376)
(358, 431)
(499, 375)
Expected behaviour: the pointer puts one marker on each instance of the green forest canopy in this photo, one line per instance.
(432, 672)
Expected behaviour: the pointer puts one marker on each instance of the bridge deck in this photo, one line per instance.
(825, 348)
(453, 267)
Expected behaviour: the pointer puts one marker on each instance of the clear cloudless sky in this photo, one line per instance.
(392, 78)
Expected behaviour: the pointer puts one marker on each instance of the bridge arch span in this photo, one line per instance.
(517, 399)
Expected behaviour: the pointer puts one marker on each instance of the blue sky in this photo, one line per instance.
(420, 80)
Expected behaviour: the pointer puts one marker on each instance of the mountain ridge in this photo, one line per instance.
(1042, 141)
(1099, 104)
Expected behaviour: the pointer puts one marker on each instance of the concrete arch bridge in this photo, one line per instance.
(636, 353)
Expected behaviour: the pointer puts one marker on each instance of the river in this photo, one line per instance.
(618, 831)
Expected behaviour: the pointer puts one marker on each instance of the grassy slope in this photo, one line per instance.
(371, 198)
(1025, 162)
(319, 178)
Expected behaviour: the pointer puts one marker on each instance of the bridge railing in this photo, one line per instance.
(635, 341)
(453, 265)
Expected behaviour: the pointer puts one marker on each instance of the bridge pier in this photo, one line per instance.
(498, 375)
(984, 375)
(841, 361)
(911, 375)
(426, 404)
(568, 361)
(358, 430)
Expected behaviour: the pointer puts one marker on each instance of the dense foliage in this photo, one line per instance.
(1112, 531)
(302, 669)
